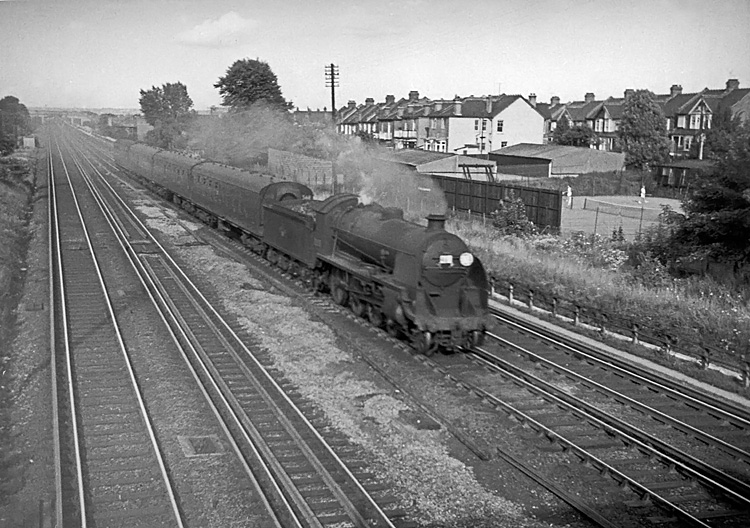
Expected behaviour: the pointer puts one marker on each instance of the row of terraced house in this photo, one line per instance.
(479, 125)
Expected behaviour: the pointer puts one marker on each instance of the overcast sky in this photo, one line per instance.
(100, 53)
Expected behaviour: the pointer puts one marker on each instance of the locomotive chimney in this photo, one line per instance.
(435, 222)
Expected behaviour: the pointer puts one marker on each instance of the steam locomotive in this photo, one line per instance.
(414, 281)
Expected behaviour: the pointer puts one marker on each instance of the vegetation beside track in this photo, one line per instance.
(606, 275)
(16, 191)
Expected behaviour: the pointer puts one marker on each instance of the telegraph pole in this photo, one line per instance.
(332, 81)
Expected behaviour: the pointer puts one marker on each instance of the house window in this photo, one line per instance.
(681, 121)
(484, 124)
(688, 142)
(476, 124)
(503, 144)
(695, 121)
(500, 125)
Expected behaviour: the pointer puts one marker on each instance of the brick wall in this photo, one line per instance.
(313, 172)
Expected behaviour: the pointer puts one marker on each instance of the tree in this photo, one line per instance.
(562, 128)
(168, 103)
(643, 131)
(718, 213)
(14, 122)
(718, 138)
(168, 109)
(249, 81)
(576, 136)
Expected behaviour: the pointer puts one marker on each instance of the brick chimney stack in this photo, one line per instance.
(732, 84)
(457, 103)
(676, 89)
(532, 99)
(554, 100)
(589, 97)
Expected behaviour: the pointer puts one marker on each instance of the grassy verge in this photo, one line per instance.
(16, 188)
(597, 275)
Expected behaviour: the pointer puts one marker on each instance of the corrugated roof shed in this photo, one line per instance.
(415, 157)
(568, 160)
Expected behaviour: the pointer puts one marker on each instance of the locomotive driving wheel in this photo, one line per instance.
(338, 291)
(424, 343)
(375, 316)
(357, 306)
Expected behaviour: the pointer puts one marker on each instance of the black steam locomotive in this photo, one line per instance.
(415, 281)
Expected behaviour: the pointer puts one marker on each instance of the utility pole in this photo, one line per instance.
(332, 81)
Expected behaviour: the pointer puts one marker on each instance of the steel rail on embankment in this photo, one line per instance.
(734, 489)
(101, 420)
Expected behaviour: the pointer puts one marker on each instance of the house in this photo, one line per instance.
(688, 115)
(554, 161)
(471, 125)
(312, 117)
(477, 125)
(551, 113)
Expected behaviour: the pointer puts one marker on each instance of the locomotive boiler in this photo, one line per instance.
(419, 281)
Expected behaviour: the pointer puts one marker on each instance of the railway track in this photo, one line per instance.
(111, 470)
(307, 473)
(676, 459)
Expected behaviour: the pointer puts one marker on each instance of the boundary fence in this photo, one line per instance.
(543, 206)
(735, 358)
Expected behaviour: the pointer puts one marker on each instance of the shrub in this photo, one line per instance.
(510, 218)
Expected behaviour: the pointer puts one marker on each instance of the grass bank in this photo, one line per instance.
(599, 275)
(16, 190)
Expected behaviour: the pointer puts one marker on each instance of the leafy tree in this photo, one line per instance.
(242, 138)
(576, 136)
(14, 122)
(718, 213)
(167, 103)
(643, 131)
(562, 128)
(249, 81)
(719, 136)
(168, 109)
(7, 145)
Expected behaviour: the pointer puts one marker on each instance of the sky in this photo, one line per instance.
(101, 53)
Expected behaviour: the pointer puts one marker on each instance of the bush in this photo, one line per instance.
(510, 218)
